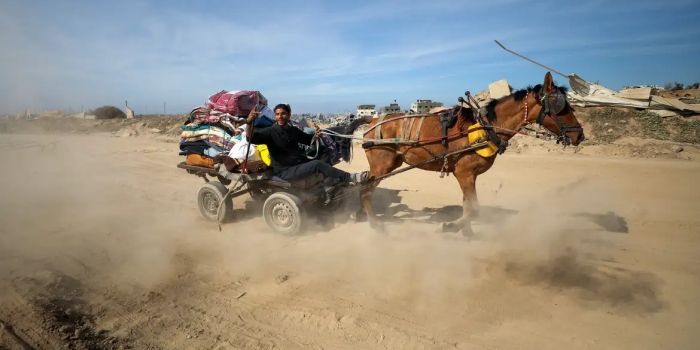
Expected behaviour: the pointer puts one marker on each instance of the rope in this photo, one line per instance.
(398, 140)
(463, 149)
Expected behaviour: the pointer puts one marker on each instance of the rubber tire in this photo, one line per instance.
(219, 191)
(297, 213)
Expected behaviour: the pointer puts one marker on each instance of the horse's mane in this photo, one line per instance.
(467, 113)
(516, 96)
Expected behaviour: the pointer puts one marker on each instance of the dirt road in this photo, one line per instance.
(102, 246)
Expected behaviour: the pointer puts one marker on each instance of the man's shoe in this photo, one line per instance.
(358, 178)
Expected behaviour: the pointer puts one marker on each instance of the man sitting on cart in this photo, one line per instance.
(288, 160)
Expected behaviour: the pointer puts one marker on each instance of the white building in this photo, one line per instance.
(392, 108)
(366, 110)
(424, 106)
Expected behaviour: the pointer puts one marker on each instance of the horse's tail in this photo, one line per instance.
(355, 124)
(346, 144)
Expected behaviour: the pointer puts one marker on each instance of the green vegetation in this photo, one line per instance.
(108, 112)
(679, 86)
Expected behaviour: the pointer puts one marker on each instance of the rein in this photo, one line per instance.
(552, 111)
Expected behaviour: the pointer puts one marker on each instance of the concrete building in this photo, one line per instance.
(424, 106)
(392, 108)
(366, 110)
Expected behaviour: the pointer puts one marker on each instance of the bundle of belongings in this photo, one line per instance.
(214, 133)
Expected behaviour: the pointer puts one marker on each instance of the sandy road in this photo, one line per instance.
(101, 245)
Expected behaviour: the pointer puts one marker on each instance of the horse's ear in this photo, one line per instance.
(548, 82)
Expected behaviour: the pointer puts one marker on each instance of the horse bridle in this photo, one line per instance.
(552, 105)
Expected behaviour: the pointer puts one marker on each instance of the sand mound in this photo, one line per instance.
(609, 132)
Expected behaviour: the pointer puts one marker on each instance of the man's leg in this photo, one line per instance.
(327, 170)
(315, 167)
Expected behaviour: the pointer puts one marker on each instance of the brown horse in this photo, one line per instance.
(544, 104)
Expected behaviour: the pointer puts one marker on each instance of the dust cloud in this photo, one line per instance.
(108, 229)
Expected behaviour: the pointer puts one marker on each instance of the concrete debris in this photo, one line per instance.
(642, 94)
(586, 94)
(483, 97)
(499, 89)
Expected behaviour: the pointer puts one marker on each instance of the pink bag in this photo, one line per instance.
(236, 103)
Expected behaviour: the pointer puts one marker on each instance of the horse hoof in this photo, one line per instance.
(448, 227)
(358, 217)
(378, 227)
(468, 233)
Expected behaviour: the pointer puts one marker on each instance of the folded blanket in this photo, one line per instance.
(215, 137)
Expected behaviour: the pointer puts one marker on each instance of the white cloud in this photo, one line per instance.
(99, 52)
(163, 53)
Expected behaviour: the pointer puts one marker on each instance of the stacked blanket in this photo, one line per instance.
(211, 129)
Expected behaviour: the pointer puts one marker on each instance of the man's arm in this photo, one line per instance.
(249, 121)
(304, 137)
(259, 136)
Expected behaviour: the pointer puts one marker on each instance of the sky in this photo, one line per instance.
(328, 56)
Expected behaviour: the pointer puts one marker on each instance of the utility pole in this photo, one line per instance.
(164, 109)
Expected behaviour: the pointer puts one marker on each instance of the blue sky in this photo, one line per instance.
(328, 56)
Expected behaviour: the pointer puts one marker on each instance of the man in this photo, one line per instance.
(288, 160)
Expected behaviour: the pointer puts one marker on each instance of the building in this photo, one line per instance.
(392, 108)
(339, 119)
(424, 106)
(366, 110)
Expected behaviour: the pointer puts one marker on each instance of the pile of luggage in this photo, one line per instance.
(215, 132)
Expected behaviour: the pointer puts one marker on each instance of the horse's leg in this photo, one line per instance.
(381, 161)
(476, 207)
(366, 199)
(467, 182)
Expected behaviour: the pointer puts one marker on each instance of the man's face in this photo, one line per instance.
(281, 117)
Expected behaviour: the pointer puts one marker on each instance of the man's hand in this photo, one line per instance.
(252, 116)
(317, 134)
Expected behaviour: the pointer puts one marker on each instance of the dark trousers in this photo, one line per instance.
(313, 167)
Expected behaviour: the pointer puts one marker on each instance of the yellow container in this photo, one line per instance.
(264, 154)
(477, 134)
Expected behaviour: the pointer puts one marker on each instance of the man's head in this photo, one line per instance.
(282, 114)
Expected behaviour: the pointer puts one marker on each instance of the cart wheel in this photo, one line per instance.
(208, 199)
(284, 213)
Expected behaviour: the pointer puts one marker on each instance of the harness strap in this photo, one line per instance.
(403, 129)
(378, 126)
(479, 114)
(420, 125)
(382, 121)
(410, 128)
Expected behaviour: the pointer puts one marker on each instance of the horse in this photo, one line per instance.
(544, 104)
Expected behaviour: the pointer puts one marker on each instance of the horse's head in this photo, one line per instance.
(556, 114)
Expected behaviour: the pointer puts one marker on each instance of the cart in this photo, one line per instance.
(287, 206)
